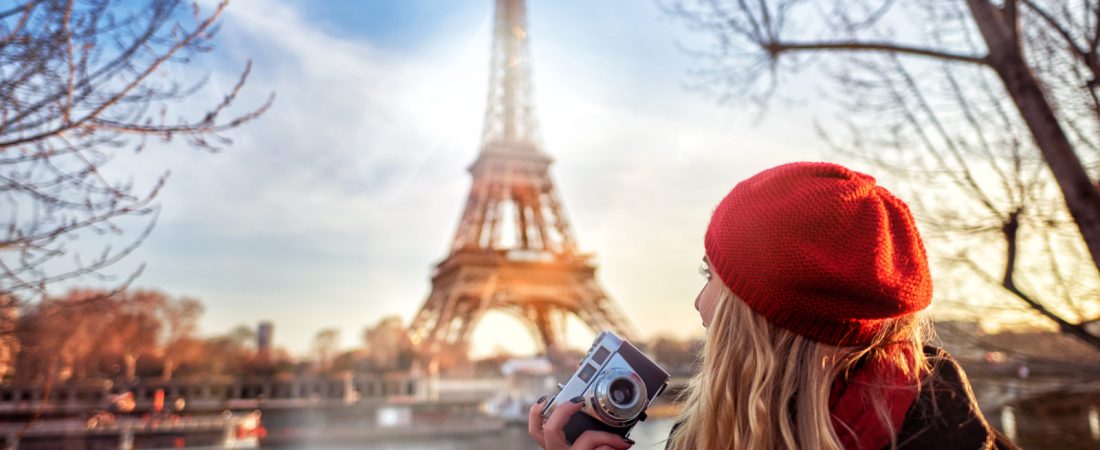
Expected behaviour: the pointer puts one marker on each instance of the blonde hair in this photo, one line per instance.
(764, 387)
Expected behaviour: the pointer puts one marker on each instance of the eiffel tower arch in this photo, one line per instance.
(538, 275)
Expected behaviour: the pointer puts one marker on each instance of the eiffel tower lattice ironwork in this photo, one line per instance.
(513, 250)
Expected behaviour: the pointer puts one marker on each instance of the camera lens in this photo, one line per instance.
(619, 396)
(622, 392)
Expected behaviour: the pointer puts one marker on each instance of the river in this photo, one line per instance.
(648, 435)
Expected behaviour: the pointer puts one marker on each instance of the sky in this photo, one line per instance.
(333, 207)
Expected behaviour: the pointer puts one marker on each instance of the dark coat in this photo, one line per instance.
(945, 416)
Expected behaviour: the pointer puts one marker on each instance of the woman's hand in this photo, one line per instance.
(551, 437)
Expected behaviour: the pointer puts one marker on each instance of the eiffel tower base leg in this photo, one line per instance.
(550, 324)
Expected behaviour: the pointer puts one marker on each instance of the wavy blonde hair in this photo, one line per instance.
(764, 387)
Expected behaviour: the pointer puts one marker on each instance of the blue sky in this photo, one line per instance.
(331, 209)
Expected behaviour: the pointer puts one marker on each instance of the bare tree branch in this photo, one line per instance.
(79, 81)
(778, 48)
(997, 102)
(1011, 228)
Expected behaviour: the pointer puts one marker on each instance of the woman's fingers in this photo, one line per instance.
(552, 435)
(552, 429)
(534, 422)
(593, 439)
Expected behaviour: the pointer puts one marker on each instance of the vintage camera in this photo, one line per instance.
(617, 383)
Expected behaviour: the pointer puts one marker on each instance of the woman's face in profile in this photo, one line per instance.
(707, 299)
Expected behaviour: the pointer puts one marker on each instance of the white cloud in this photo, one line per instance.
(331, 209)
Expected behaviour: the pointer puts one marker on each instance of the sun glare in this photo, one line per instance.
(499, 332)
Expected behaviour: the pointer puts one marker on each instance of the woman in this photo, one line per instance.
(816, 283)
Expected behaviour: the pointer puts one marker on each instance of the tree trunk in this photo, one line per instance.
(131, 366)
(169, 367)
(1007, 60)
(1011, 229)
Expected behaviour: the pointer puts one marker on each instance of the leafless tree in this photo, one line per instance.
(997, 100)
(387, 344)
(74, 337)
(180, 318)
(133, 329)
(230, 353)
(59, 342)
(326, 345)
(81, 83)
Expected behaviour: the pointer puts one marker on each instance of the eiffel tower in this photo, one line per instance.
(537, 275)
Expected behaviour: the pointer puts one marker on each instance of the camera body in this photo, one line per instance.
(617, 383)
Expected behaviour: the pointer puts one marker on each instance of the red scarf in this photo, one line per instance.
(853, 417)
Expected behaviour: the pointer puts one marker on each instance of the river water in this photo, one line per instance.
(650, 434)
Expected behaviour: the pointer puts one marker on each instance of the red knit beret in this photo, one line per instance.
(820, 250)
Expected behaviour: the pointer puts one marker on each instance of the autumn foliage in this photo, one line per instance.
(124, 336)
